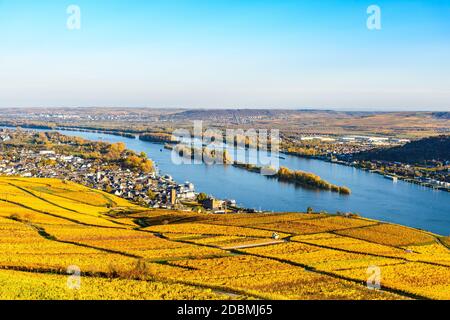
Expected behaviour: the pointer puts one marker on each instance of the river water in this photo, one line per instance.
(373, 196)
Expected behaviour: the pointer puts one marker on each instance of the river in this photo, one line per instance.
(373, 196)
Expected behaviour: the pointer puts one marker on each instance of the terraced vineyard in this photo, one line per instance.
(122, 251)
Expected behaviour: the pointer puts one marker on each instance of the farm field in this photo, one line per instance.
(60, 240)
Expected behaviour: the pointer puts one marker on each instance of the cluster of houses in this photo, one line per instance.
(368, 140)
(434, 183)
(219, 206)
(149, 189)
(374, 141)
(330, 146)
(436, 179)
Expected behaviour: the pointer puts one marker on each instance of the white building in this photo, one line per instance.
(47, 153)
(5, 138)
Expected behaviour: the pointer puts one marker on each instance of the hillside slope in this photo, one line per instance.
(50, 228)
(427, 149)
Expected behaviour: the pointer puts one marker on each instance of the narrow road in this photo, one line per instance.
(253, 245)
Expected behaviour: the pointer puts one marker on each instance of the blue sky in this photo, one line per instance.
(226, 53)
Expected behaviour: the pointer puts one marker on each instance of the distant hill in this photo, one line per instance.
(433, 148)
(208, 114)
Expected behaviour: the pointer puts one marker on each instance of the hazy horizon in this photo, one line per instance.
(445, 109)
(221, 54)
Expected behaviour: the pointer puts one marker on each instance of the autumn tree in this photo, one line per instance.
(151, 195)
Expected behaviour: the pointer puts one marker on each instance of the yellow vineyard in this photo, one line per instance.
(59, 240)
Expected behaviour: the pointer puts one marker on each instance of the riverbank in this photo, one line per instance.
(167, 138)
(161, 137)
(301, 178)
(387, 175)
(95, 164)
(372, 195)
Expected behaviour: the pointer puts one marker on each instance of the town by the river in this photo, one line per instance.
(373, 196)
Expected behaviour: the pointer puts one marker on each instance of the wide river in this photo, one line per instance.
(373, 196)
